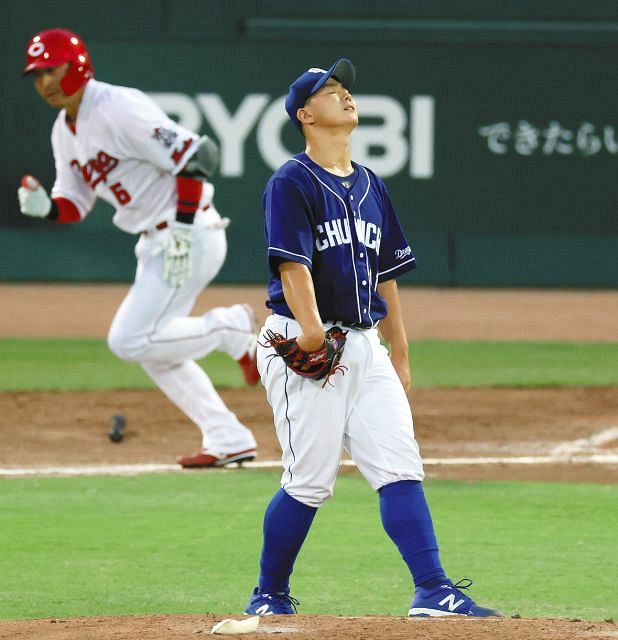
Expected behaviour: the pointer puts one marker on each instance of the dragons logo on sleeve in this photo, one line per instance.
(400, 254)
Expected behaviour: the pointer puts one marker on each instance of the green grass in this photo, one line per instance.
(80, 364)
(462, 363)
(190, 543)
(85, 364)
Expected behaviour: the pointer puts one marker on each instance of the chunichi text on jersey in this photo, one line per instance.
(337, 232)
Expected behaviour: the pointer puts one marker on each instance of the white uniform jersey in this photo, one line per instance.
(125, 150)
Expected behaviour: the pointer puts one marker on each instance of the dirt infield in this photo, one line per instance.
(309, 628)
(546, 434)
(70, 428)
(455, 314)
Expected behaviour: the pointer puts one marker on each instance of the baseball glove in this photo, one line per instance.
(317, 365)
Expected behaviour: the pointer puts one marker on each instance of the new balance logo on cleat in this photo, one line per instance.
(450, 599)
(268, 604)
(433, 603)
(263, 611)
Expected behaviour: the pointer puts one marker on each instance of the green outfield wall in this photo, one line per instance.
(494, 127)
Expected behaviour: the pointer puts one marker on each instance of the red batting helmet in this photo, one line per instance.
(55, 47)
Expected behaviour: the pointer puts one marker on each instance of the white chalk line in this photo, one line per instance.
(140, 469)
(568, 449)
(581, 451)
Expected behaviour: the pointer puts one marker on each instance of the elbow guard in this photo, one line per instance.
(204, 162)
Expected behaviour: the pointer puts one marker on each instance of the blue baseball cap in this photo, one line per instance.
(312, 80)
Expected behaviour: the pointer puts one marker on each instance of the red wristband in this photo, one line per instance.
(189, 195)
(67, 211)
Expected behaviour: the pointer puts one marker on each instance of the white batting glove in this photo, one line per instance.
(33, 199)
(177, 254)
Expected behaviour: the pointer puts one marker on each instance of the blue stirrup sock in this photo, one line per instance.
(286, 524)
(407, 520)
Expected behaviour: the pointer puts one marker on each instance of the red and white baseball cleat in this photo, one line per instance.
(248, 362)
(205, 458)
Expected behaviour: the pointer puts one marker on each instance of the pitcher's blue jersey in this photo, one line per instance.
(345, 230)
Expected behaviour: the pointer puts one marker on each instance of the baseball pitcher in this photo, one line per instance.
(335, 249)
(115, 143)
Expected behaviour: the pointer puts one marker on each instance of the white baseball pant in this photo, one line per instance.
(153, 327)
(363, 410)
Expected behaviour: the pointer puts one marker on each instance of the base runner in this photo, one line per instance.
(115, 143)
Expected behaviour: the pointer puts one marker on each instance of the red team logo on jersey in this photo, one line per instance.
(96, 171)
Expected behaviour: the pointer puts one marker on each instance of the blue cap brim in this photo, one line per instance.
(302, 89)
(343, 70)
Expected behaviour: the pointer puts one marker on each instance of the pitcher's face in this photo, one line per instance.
(331, 106)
